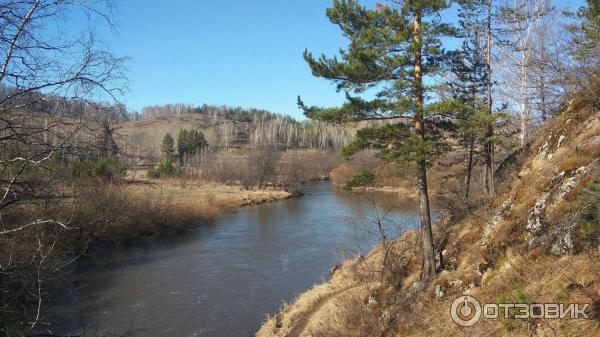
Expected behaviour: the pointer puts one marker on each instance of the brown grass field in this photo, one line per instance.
(213, 197)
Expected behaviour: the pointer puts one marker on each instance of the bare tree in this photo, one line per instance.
(39, 66)
(262, 164)
(519, 44)
(550, 55)
(45, 67)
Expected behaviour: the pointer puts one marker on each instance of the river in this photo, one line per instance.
(223, 278)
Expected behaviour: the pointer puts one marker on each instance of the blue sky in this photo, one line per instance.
(236, 52)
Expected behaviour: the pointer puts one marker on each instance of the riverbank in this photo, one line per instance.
(197, 194)
(142, 208)
(407, 193)
(106, 215)
(220, 279)
(535, 241)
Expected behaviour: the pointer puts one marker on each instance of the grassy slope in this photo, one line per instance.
(146, 135)
(490, 254)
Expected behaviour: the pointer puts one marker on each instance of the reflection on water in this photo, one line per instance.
(222, 279)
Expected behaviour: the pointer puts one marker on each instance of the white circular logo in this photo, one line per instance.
(465, 311)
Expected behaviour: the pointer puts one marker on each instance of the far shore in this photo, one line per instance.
(213, 198)
(405, 192)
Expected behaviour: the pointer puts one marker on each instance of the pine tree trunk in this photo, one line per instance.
(489, 145)
(469, 166)
(426, 232)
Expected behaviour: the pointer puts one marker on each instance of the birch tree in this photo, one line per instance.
(519, 20)
(46, 68)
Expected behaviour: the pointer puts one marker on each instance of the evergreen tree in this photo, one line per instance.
(467, 87)
(468, 84)
(489, 145)
(392, 49)
(190, 142)
(583, 75)
(476, 18)
(590, 29)
(167, 148)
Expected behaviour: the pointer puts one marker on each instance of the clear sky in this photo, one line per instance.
(235, 52)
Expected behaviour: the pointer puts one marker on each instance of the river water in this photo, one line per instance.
(222, 279)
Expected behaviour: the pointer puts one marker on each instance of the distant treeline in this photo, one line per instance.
(306, 134)
(237, 114)
(268, 128)
(59, 105)
(35, 101)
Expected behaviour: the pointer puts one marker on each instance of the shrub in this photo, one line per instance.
(105, 167)
(341, 174)
(165, 169)
(153, 173)
(362, 178)
(588, 224)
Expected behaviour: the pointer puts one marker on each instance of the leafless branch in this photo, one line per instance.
(35, 223)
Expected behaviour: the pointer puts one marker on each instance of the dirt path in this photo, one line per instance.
(302, 322)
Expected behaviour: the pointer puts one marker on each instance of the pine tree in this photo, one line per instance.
(590, 26)
(167, 148)
(478, 16)
(584, 74)
(391, 50)
(489, 145)
(589, 48)
(471, 87)
(467, 86)
(189, 142)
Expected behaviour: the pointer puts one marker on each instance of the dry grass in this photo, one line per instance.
(143, 138)
(505, 268)
(96, 212)
(575, 161)
(198, 194)
(341, 174)
(144, 208)
(303, 309)
(528, 188)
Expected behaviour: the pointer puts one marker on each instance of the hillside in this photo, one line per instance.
(225, 129)
(535, 242)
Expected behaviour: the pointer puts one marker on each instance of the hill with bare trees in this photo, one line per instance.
(225, 128)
